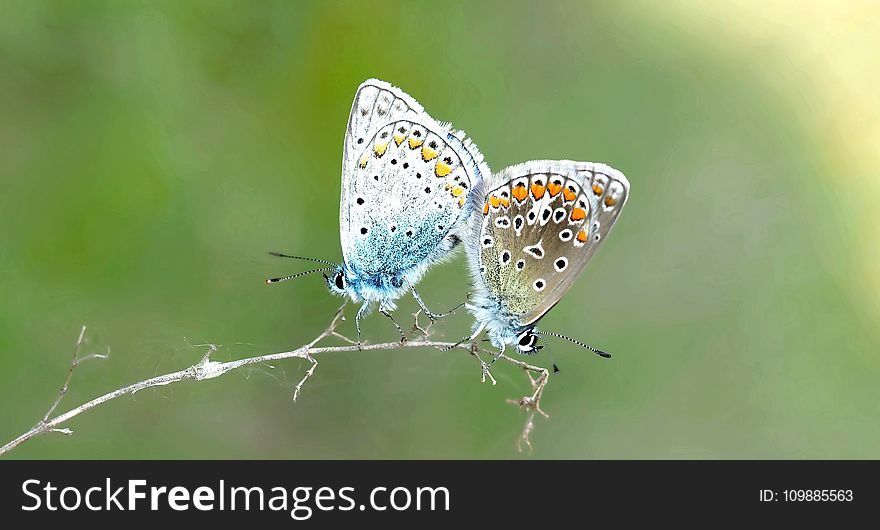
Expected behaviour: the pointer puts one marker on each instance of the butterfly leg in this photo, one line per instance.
(433, 316)
(459, 343)
(473, 336)
(357, 322)
(399, 329)
(498, 355)
(486, 374)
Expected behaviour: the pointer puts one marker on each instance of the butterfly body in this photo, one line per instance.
(408, 186)
(540, 224)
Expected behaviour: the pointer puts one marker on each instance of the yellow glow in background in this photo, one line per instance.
(825, 54)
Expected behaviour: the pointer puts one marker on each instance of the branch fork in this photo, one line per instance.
(207, 368)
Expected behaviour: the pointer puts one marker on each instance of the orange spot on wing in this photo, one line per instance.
(554, 189)
(582, 236)
(538, 191)
(505, 203)
(578, 214)
(568, 195)
(398, 139)
(379, 149)
(442, 169)
(428, 154)
(519, 192)
(457, 191)
(414, 143)
(597, 189)
(461, 202)
(486, 209)
(494, 201)
(610, 201)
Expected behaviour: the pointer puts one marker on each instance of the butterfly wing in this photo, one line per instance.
(541, 223)
(376, 103)
(407, 184)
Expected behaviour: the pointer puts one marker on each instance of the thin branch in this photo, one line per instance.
(208, 369)
(73, 363)
(532, 403)
(426, 331)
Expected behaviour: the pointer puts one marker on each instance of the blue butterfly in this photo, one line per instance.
(409, 185)
(541, 223)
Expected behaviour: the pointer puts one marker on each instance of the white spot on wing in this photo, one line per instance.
(536, 250)
(560, 264)
(558, 215)
(518, 223)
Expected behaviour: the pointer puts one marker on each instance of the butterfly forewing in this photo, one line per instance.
(542, 221)
(376, 104)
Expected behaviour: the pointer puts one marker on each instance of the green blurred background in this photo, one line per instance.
(152, 152)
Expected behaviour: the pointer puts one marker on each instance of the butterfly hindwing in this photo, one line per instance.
(408, 185)
(411, 188)
(541, 223)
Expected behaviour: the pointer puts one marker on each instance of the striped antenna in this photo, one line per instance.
(280, 255)
(292, 276)
(597, 351)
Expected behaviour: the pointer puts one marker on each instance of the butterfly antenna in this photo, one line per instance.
(597, 351)
(292, 276)
(280, 255)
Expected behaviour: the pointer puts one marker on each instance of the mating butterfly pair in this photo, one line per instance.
(413, 188)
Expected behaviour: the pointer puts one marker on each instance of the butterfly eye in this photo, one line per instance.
(526, 341)
(339, 281)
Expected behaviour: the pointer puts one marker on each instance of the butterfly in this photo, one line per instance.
(540, 224)
(408, 189)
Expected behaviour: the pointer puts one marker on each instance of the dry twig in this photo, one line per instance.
(208, 369)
